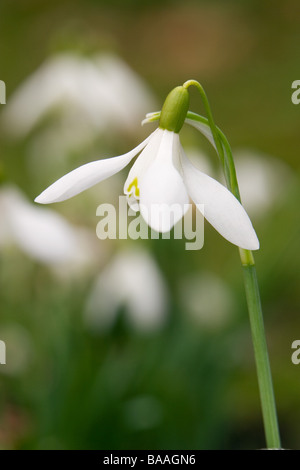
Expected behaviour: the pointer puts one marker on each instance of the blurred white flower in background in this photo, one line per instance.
(262, 180)
(131, 280)
(207, 299)
(99, 91)
(44, 235)
(71, 100)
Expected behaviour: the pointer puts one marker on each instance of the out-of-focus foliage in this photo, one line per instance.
(189, 382)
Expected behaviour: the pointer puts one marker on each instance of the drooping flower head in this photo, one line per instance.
(162, 178)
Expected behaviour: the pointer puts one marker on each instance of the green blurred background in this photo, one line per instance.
(190, 382)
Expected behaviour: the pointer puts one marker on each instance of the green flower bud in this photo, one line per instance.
(175, 109)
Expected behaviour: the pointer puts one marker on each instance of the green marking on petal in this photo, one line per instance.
(134, 184)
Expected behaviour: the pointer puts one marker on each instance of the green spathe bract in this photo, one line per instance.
(175, 109)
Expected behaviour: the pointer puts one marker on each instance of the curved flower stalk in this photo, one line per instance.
(161, 178)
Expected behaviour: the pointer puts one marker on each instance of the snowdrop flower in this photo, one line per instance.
(43, 234)
(133, 280)
(162, 177)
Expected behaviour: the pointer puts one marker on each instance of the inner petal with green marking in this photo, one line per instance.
(133, 194)
(133, 188)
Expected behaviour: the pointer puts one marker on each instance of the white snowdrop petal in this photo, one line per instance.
(221, 209)
(86, 176)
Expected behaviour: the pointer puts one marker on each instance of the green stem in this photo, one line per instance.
(261, 351)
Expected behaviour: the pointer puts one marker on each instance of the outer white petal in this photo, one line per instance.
(163, 196)
(86, 176)
(222, 210)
